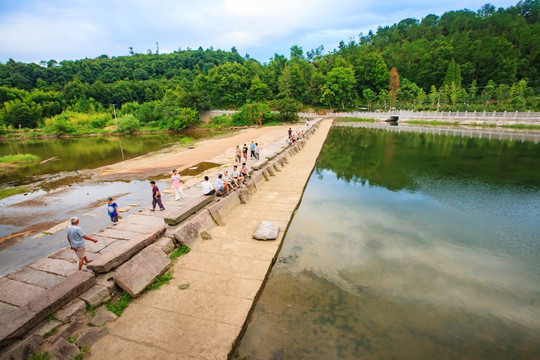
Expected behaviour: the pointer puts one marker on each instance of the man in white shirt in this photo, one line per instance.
(237, 176)
(207, 188)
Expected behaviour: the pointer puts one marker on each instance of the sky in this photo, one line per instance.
(41, 30)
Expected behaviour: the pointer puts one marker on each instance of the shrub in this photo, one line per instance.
(221, 121)
(180, 118)
(128, 123)
(252, 114)
(288, 109)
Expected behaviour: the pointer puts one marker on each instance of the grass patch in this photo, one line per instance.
(179, 252)
(522, 126)
(92, 310)
(273, 123)
(50, 317)
(480, 124)
(160, 281)
(186, 140)
(20, 159)
(72, 339)
(120, 304)
(4, 193)
(50, 333)
(356, 119)
(85, 350)
(40, 355)
(433, 123)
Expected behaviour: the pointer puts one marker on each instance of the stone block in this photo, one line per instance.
(55, 266)
(166, 244)
(187, 235)
(266, 175)
(106, 280)
(205, 235)
(266, 230)
(61, 294)
(270, 170)
(22, 319)
(75, 327)
(243, 196)
(140, 219)
(139, 272)
(259, 164)
(66, 254)
(96, 295)
(91, 336)
(124, 251)
(252, 187)
(45, 328)
(73, 308)
(5, 309)
(23, 349)
(102, 317)
(36, 277)
(63, 350)
(102, 243)
(216, 216)
(17, 293)
(190, 206)
(276, 166)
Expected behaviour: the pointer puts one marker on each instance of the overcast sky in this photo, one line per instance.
(35, 30)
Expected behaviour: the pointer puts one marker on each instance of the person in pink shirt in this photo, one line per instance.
(175, 184)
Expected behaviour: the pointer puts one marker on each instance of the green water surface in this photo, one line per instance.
(408, 246)
(74, 154)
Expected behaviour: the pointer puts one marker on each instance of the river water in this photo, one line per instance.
(65, 187)
(408, 246)
(73, 154)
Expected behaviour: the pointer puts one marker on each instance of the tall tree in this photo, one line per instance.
(393, 86)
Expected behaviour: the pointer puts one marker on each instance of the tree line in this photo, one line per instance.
(462, 60)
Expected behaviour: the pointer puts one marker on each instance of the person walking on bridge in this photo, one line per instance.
(76, 237)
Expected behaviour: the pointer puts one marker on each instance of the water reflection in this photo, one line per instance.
(408, 246)
(82, 153)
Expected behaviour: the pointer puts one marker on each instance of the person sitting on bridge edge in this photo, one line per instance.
(221, 185)
(207, 188)
(76, 236)
(237, 176)
(244, 172)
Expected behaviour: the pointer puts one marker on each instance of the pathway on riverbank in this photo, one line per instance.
(224, 276)
(203, 151)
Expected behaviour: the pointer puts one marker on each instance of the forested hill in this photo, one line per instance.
(491, 44)
(483, 60)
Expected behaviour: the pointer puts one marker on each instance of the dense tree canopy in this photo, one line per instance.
(462, 60)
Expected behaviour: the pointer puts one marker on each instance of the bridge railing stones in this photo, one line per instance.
(187, 208)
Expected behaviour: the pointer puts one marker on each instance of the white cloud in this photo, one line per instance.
(34, 30)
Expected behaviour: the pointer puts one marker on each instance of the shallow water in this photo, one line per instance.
(81, 153)
(408, 246)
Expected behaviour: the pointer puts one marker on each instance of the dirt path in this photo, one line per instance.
(220, 151)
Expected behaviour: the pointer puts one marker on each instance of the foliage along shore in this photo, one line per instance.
(462, 60)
